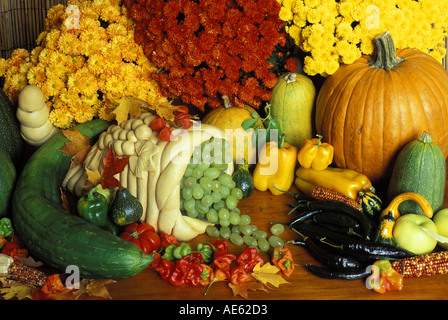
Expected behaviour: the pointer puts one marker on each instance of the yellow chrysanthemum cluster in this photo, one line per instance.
(85, 62)
(335, 32)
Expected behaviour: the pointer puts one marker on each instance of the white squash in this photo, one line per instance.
(154, 171)
(32, 113)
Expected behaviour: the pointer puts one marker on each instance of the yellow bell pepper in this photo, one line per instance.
(275, 167)
(346, 181)
(315, 154)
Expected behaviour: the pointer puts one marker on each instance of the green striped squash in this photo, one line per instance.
(420, 167)
(7, 181)
(292, 104)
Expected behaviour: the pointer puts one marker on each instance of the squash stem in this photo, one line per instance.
(386, 56)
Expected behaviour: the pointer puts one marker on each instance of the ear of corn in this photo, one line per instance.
(422, 266)
(324, 193)
(25, 274)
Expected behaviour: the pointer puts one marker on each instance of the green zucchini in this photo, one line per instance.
(243, 179)
(58, 238)
(8, 175)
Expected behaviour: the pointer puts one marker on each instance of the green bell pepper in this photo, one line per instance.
(6, 227)
(94, 207)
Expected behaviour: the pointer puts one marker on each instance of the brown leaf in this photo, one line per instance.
(268, 274)
(242, 288)
(96, 288)
(17, 290)
(78, 146)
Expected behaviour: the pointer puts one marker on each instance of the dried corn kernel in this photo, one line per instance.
(423, 266)
(324, 193)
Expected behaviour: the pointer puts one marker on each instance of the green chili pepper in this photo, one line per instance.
(6, 227)
(94, 207)
(169, 252)
(207, 251)
(182, 250)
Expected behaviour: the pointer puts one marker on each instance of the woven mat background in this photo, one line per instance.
(21, 21)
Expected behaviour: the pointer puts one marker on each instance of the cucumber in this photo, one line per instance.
(58, 238)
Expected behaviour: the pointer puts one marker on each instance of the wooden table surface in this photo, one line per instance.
(264, 208)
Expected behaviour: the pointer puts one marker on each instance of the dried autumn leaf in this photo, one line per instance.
(19, 291)
(128, 108)
(166, 111)
(268, 273)
(96, 288)
(242, 288)
(112, 166)
(78, 147)
(94, 177)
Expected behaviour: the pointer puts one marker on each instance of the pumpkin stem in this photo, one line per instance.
(425, 137)
(290, 77)
(386, 56)
(227, 103)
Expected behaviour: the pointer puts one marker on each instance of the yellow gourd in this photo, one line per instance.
(32, 113)
(230, 118)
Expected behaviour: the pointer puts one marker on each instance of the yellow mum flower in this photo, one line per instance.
(312, 3)
(61, 116)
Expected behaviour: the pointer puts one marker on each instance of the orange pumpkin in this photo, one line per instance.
(371, 109)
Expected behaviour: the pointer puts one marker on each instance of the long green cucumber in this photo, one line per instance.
(58, 238)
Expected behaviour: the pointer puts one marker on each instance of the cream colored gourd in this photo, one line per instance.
(154, 171)
(32, 113)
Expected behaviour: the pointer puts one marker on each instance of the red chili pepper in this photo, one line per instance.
(53, 285)
(186, 272)
(18, 253)
(168, 239)
(221, 246)
(182, 120)
(165, 134)
(238, 275)
(207, 275)
(181, 109)
(9, 247)
(165, 268)
(195, 257)
(282, 259)
(155, 263)
(249, 258)
(221, 264)
(157, 124)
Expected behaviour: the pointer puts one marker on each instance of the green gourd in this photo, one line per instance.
(125, 208)
(420, 167)
(8, 176)
(243, 180)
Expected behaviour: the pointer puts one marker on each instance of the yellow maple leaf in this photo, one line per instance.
(268, 273)
(93, 177)
(78, 146)
(128, 108)
(166, 111)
